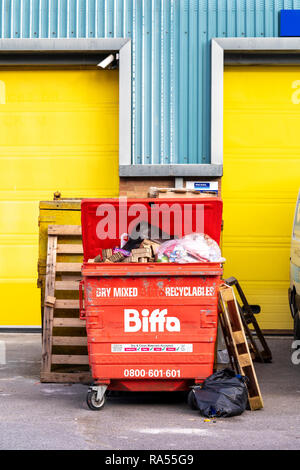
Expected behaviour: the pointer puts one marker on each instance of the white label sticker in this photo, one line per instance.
(145, 348)
(203, 186)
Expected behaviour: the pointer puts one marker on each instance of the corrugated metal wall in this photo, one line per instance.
(171, 57)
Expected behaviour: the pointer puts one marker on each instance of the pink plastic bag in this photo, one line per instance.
(193, 248)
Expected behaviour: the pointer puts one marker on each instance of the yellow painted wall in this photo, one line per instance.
(261, 182)
(58, 131)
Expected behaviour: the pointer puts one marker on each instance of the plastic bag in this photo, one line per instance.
(193, 248)
(222, 394)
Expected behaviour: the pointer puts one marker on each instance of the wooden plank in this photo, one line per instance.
(68, 248)
(224, 297)
(68, 322)
(61, 204)
(228, 340)
(68, 267)
(62, 377)
(106, 253)
(69, 359)
(238, 337)
(155, 192)
(227, 327)
(115, 258)
(69, 341)
(68, 304)
(244, 360)
(255, 403)
(64, 230)
(50, 301)
(71, 277)
(66, 285)
(142, 252)
(48, 309)
(227, 294)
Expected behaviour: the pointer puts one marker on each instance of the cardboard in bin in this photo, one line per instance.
(104, 220)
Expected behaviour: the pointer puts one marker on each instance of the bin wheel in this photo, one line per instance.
(192, 401)
(92, 401)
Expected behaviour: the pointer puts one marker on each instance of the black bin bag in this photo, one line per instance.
(222, 394)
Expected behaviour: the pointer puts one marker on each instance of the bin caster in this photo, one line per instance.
(96, 397)
(192, 400)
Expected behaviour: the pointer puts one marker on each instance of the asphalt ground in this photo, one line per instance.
(35, 416)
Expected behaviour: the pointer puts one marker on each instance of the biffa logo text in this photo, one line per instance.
(157, 321)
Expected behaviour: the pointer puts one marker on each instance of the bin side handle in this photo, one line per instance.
(82, 315)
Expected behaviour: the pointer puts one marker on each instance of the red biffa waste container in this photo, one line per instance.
(150, 326)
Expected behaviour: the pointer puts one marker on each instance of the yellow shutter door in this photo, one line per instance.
(58, 131)
(261, 182)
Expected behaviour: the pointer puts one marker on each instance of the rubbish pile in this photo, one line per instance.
(144, 253)
(192, 248)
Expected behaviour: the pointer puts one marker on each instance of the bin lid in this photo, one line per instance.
(105, 220)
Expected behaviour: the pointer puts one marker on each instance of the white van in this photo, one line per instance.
(294, 290)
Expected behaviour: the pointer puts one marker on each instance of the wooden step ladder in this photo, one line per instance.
(237, 345)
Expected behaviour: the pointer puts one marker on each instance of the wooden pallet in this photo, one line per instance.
(64, 344)
(237, 344)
